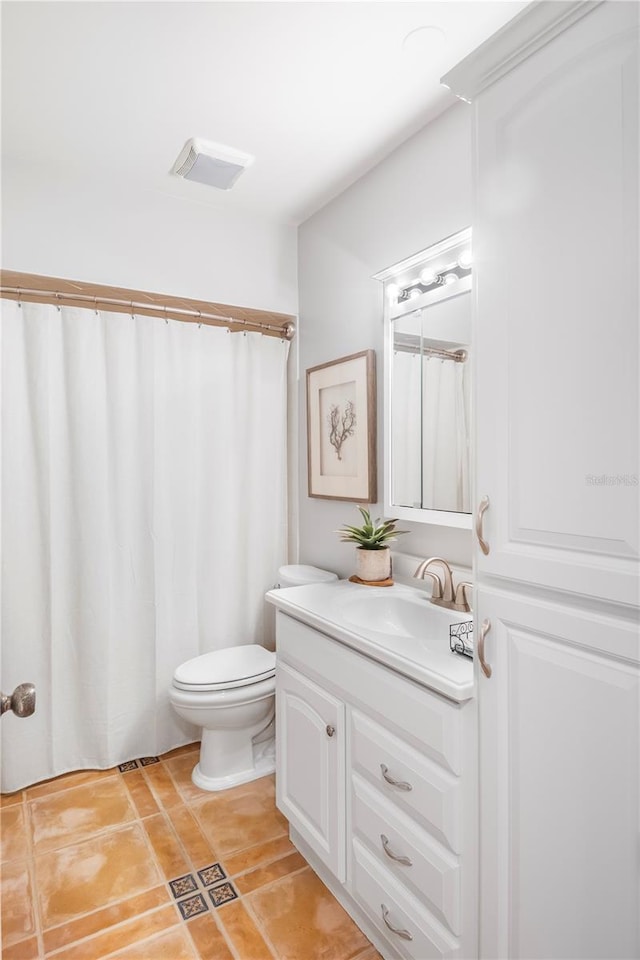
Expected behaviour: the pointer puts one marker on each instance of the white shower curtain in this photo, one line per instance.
(445, 430)
(143, 517)
(406, 430)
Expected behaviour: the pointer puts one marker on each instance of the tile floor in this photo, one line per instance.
(138, 863)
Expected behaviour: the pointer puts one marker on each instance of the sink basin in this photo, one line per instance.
(400, 616)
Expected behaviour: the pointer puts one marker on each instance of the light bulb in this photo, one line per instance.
(465, 260)
(450, 278)
(428, 276)
(413, 293)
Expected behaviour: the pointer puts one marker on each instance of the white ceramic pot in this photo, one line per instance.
(373, 565)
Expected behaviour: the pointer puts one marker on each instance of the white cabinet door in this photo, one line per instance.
(555, 248)
(559, 759)
(310, 765)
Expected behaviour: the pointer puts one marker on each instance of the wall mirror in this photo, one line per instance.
(427, 388)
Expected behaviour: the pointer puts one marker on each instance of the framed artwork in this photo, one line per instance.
(341, 428)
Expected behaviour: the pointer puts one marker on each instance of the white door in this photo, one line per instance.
(556, 336)
(310, 764)
(559, 775)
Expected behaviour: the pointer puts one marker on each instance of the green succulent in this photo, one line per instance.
(373, 534)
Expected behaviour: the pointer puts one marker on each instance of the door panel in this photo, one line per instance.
(559, 749)
(310, 758)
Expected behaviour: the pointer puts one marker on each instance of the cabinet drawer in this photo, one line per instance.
(434, 799)
(377, 891)
(433, 874)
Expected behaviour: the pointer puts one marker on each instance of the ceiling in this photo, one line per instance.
(318, 92)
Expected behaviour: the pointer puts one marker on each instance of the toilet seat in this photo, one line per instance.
(225, 669)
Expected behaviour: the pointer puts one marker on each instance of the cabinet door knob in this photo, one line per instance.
(484, 630)
(400, 784)
(398, 932)
(330, 730)
(482, 507)
(394, 856)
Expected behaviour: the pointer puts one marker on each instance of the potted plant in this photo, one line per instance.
(373, 556)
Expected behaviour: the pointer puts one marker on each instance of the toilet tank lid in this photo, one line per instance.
(303, 573)
(230, 665)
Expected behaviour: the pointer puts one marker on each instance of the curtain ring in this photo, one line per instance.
(131, 305)
(95, 305)
(199, 319)
(166, 319)
(19, 297)
(58, 295)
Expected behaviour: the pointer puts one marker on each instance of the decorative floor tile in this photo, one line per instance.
(147, 761)
(129, 765)
(222, 894)
(211, 874)
(183, 885)
(193, 906)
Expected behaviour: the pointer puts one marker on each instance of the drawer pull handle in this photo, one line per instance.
(394, 856)
(398, 932)
(483, 505)
(330, 730)
(484, 630)
(400, 784)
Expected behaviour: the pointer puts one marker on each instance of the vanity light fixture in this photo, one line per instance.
(429, 278)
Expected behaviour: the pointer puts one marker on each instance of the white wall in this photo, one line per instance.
(144, 239)
(418, 195)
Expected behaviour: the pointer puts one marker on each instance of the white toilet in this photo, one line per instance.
(230, 694)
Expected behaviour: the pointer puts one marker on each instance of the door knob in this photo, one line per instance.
(330, 730)
(22, 701)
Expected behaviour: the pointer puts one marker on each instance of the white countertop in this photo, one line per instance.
(397, 626)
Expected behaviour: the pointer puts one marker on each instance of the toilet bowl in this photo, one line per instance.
(230, 695)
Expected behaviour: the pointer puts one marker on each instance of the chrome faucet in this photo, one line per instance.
(442, 592)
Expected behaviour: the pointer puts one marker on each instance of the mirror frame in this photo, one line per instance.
(443, 518)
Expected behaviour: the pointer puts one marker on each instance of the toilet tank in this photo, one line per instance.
(297, 574)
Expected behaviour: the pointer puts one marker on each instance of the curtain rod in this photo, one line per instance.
(286, 331)
(458, 356)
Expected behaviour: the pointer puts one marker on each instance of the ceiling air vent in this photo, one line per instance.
(210, 163)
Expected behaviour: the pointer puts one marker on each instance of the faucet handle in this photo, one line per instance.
(461, 601)
(422, 572)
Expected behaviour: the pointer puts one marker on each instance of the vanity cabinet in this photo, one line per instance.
(377, 777)
(555, 347)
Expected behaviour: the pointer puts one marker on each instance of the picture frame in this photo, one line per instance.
(341, 429)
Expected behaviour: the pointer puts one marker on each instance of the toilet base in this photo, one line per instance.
(263, 767)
